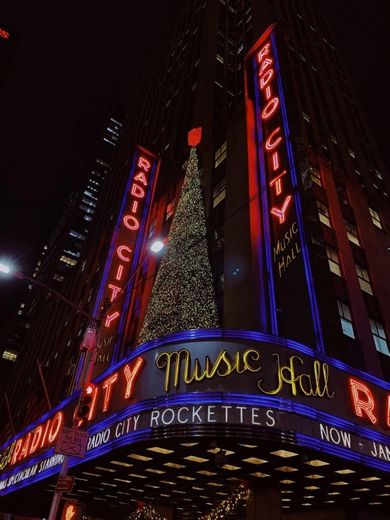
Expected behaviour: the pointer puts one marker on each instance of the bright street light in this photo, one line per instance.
(89, 343)
(4, 268)
(157, 245)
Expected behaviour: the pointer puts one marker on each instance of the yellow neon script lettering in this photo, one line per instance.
(310, 384)
(179, 365)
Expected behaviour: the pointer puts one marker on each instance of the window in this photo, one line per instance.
(76, 254)
(87, 209)
(364, 279)
(220, 154)
(9, 355)
(375, 217)
(315, 176)
(76, 234)
(346, 319)
(58, 277)
(352, 232)
(67, 260)
(323, 213)
(219, 193)
(333, 260)
(379, 335)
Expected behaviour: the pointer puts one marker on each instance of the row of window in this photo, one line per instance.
(377, 329)
(350, 227)
(362, 273)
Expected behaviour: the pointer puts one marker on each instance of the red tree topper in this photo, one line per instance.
(195, 136)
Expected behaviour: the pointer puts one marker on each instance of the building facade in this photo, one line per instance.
(59, 266)
(288, 396)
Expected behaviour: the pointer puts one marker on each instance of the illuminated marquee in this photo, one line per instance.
(217, 378)
(119, 386)
(282, 238)
(124, 255)
(34, 441)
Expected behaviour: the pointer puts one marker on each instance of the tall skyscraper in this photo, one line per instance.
(61, 261)
(283, 409)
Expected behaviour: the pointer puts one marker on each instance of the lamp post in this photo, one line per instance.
(89, 343)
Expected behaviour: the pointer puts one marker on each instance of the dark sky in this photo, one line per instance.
(73, 59)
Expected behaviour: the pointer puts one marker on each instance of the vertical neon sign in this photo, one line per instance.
(290, 285)
(124, 256)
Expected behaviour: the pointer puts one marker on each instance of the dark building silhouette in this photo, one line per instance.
(61, 261)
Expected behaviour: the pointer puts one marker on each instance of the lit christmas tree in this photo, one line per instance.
(183, 293)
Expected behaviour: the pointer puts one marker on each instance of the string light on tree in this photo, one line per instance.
(229, 506)
(145, 512)
(183, 293)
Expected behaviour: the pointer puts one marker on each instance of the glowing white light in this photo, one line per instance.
(4, 268)
(157, 246)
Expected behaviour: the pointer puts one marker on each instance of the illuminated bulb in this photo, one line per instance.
(157, 246)
(4, 268)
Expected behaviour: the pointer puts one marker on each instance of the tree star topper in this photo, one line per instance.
(195, 136)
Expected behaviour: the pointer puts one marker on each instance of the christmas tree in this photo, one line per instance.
(183, 294)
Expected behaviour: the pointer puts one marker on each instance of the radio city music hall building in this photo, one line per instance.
(267, 396)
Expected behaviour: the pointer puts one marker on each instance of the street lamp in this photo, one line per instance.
(4, 268)
(89, 343)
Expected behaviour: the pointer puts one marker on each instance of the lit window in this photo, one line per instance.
(103, 163)
(364, 279)
(351, 153)
(346, 319)
(379, 335)
(333, 260)
(90, 194)
(306, 117)
(89, 202)
(352, 232)
(72, 253)
(76, 234)
(220, 154)
(315, 176)
(375, 217)
(9, 355)
(87, 209)
(67, 260)
(323, 213)
(219, 193)
(58, 277)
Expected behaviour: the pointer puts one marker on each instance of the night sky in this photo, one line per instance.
(74, 59)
